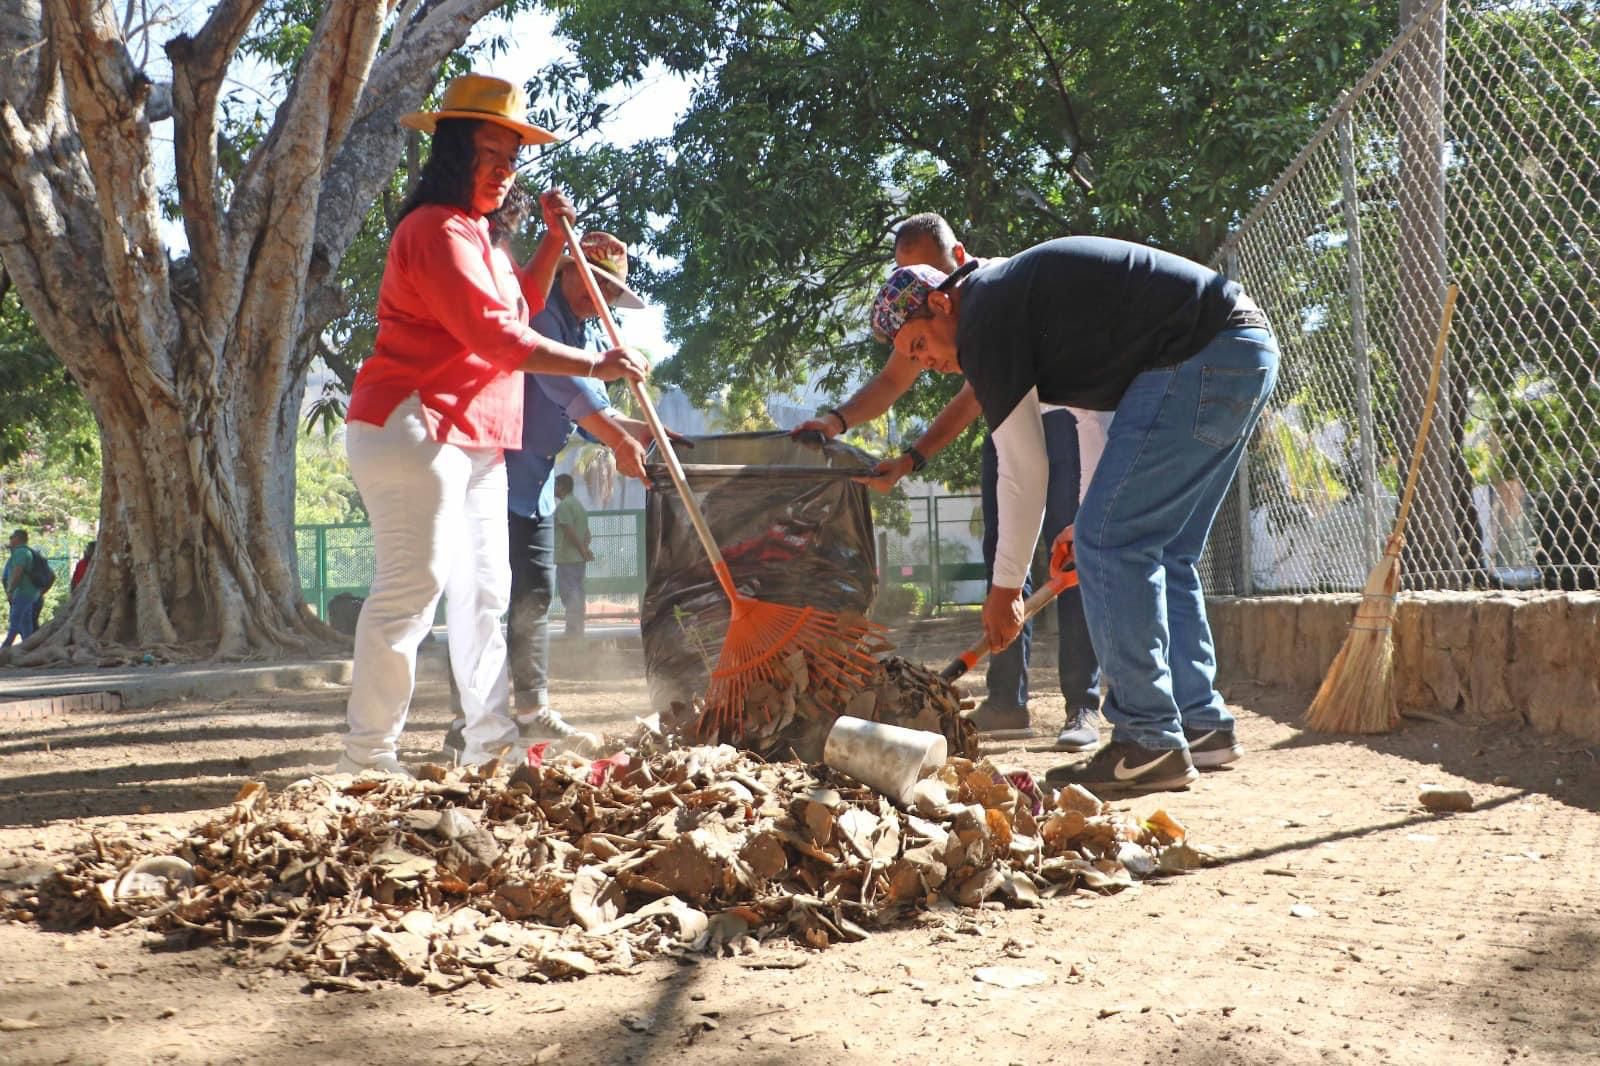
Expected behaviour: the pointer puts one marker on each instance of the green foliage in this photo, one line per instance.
(817, 124)
(49, 450)
(41, 407)
(899, 602)
(324, 492)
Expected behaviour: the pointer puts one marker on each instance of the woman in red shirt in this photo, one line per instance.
(433, 406)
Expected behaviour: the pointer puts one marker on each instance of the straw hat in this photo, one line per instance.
(608, 258)
(486, 99)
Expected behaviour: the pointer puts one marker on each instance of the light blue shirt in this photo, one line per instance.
(551, 407)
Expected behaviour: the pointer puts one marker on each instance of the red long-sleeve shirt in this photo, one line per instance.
(453, 328)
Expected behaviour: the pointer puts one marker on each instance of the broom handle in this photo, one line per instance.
(653, 420)
(1427, 412)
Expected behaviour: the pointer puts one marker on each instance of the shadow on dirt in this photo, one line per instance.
(1561, 767)
(1555, 971)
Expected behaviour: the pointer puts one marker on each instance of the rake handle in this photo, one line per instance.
(1427, 412)
(653, 420)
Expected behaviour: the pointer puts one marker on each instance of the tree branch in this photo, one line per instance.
(1074, 133)
(108, 106)
(366, 160)
(199, 64)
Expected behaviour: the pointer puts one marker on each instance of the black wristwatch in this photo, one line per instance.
(918, 460)
(834, 411)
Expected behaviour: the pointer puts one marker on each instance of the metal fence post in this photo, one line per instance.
(934, 586)
(639, 554)
(1367, 440)
(320, 541)
(1241, 480)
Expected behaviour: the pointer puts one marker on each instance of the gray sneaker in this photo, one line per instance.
(1081, 732)
(1123, 767)
(385, 763)
(455, 741)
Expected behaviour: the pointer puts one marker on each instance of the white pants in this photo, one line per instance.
(438, 514)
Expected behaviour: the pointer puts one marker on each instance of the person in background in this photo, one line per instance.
(927, 239)
(573, 554)
(432, 410)
(1187, 362)
(21, 592)
(81, 570)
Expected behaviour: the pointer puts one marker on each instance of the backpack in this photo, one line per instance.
(40, 572)
(343, 610)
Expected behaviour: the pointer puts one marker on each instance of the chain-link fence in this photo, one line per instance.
(1469, 152)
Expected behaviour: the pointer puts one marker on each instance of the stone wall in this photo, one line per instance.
(1533, 656)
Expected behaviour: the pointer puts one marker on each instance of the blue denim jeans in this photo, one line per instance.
(1075, 662)
(1176, 441)
(24, 617)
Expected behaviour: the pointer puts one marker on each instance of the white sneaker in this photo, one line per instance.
(386, 763)
(547, 724)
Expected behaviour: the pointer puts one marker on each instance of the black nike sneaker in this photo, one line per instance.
(1123, 766)
(1211, 748)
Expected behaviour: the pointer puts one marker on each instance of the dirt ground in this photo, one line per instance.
(1346, 924)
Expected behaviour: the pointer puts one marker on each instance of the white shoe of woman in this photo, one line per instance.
(386, 763)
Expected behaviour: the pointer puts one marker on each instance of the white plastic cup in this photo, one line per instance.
(887, 758)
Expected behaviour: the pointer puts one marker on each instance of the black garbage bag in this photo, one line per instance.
(792, 526)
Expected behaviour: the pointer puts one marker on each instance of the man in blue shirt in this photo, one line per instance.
(22, 593)
(553, 407)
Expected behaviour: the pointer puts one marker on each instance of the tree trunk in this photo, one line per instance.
(195, 367)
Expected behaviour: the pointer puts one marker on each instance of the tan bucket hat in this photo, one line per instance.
(486, 99)
(608, 258)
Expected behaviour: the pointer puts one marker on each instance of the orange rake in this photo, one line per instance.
(761, 635)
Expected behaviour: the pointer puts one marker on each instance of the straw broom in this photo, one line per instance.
(1357, 695)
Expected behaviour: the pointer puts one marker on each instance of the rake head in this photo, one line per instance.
(760, 643)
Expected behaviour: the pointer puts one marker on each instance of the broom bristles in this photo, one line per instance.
(1357, 694)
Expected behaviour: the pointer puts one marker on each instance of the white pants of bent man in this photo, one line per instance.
(438, 515)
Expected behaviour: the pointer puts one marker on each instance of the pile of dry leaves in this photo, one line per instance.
(574, 867)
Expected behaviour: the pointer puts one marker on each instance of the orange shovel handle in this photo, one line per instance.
(1063, 576)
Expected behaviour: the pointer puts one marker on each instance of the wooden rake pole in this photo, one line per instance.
(1357, 694)
(760, 634)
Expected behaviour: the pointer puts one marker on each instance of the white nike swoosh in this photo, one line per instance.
(1123, 772)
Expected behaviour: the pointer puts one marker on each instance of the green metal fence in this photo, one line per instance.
(336, 559)
(941, 553)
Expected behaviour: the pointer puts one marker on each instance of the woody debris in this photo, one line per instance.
(567, 867)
